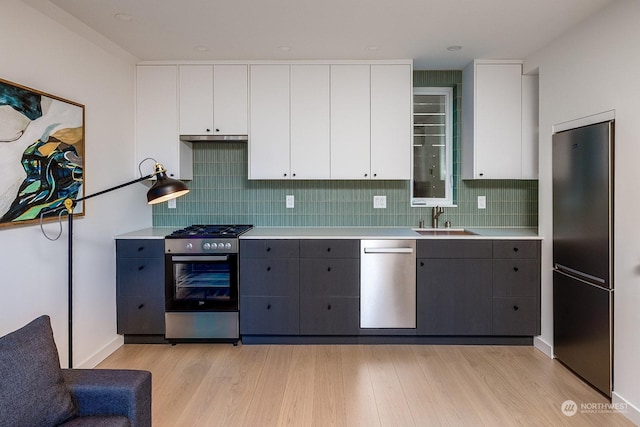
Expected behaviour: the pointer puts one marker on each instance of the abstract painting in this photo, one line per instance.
(41, 154)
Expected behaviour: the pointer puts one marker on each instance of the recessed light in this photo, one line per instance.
(285, 48)
(454, 48)
(373, 47)
(123, 17)
(201, 48)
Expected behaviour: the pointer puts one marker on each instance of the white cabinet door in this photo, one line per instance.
(530, 127)
(391, 95)
(157, 121)
(196, 99)
(230, 99)
(269, 122)
(310, 146)
(492, 116)
(350, 122)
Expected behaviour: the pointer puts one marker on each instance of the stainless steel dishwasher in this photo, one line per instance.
(387, 284)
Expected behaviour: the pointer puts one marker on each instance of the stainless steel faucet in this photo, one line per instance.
(436, 211)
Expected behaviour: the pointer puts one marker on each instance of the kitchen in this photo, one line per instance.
(616, 90)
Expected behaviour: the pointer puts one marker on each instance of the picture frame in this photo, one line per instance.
(41, 155)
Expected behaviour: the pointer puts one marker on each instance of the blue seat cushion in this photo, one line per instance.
(32, 389)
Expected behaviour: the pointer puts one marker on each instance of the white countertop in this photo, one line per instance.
(350, 233)
(384, 233)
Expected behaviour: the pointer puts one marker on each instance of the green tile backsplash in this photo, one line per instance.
(221, 193)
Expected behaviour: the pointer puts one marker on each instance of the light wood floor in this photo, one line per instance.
(367, 385)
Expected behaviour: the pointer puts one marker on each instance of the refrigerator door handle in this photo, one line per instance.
(578, 275)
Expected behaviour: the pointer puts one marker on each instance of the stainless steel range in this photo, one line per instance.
(201, 283)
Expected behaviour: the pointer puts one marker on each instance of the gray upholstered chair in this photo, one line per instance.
(34, 391)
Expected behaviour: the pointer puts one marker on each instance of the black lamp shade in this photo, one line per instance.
(165, 188)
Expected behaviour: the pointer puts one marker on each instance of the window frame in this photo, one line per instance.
(418, 202)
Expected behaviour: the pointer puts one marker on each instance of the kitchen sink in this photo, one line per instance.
(443, 232)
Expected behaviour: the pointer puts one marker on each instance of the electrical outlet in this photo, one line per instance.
(171, 204)
(379, 202)
(482, 202)
(290, 201)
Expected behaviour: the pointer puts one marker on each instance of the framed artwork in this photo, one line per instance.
(41, 154)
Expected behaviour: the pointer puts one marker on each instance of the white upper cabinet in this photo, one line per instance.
(310, 148)
(213, 99)
(391, 98)
(493, 133)
(157, 122)
(350, 122)
(269, 117)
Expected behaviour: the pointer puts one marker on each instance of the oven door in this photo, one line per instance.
(201, 282)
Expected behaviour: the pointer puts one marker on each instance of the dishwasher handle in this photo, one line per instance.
(388, 250)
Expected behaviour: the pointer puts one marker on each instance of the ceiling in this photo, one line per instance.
(421, 30)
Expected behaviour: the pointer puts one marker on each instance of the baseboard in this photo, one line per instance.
(104, 352)
(625, 408)
(543, 346)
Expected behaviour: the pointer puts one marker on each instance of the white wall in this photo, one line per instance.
(592, 69)
(42, 54)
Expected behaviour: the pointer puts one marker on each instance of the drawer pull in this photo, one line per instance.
(141, 248)
(329, 307)
(140, 268)
(328, 249)
(140, 306)
(515, 269)
(268, 306)
(268, 249)
(328, 268)
(421, 264)
(268, 268)
(515, 249)
(516, 308)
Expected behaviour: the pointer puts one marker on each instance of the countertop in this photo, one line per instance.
(351, 233)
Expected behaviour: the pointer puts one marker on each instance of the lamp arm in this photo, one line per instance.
(70, 203)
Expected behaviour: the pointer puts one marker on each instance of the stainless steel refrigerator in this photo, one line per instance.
(583, 252)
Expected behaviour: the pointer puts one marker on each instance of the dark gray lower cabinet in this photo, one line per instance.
(269, 290)
(454, 296)
(140, 286)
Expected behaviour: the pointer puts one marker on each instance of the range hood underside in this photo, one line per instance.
(214, 138)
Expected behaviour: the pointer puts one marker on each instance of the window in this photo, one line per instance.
(432, 181)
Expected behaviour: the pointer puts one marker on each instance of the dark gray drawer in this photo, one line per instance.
(330, 277)
(140, 276)
(516, 316)
(516, 249)
(269, 248)
(265, 276)
(140, 315)
(269, 316)
(329, 316)
(432, 248)
(140, 248)
(516, 277)
(322, 248)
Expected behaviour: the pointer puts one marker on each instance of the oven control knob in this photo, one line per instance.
(227, 245)
(206, 246)
(214, 246)
(189, 246)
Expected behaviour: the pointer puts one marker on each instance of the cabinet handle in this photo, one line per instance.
(140, 306)
(375, 174)
(421, 264)
(328, 249)
(140, 268)
(516, 308)
(269, 268)
(515, 249)
(141, 248)
(329, 307)
(481, 174)
(328, 268)
(217, 130)
(208, 130)
(269, 249)
(285, 174)
(366, 175)
(515, 269)
(268, 306)
(293, 174)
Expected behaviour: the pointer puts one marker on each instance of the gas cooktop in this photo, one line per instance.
(209, 231)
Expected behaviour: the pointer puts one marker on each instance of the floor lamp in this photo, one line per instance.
(163, 189)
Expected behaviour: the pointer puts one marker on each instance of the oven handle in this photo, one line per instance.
(178, 258)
